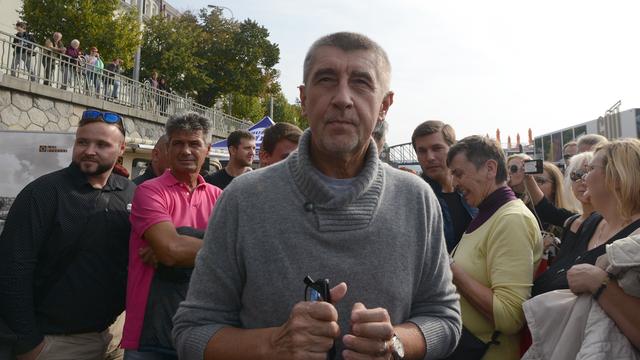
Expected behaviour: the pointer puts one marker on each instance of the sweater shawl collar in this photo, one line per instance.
(337, 210)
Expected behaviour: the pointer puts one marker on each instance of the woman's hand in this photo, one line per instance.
(585, 278)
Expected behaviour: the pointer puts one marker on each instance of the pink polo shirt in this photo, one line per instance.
(161, 199)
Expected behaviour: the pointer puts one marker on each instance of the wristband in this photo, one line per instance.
(600, 290)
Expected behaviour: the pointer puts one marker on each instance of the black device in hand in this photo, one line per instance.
(533, 166)
(319, 290)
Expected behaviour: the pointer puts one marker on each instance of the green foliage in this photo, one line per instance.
(169, 46)
(285, 112)
(246, 107)
(115, 32)
(210, 56)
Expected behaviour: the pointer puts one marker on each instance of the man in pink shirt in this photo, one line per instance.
(168, 217)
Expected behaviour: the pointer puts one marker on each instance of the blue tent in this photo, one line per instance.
(256, 130)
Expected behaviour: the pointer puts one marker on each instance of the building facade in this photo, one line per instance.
(613, 125)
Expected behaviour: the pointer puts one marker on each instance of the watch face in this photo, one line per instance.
(398, 349)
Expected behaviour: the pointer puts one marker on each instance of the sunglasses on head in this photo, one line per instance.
(108, 117)
(577, 175)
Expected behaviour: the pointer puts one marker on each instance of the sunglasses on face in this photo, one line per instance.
(108, 117)
(567, 157)
(514, 169)
(577, 175)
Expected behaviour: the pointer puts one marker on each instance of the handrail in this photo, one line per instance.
(25, 59)
(402, 154)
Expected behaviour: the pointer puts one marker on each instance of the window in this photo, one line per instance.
(547, 148)
(580, 130)
(538, 148)
(567, 136)
(556, 147)
(638, 123)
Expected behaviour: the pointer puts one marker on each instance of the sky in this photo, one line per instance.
(477, 65)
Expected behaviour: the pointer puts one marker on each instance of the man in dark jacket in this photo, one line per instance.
(431, 140)
(22, 50)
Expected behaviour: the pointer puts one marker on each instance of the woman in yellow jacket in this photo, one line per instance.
(494, 263)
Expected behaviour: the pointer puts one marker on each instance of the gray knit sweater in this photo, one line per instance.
(384, 239)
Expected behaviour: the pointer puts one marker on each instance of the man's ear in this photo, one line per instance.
(387, 101)
(492, 168)
(303, 98)
(123, 146)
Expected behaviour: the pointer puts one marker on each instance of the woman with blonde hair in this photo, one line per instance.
(612, 182)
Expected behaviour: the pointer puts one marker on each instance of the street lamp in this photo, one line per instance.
(136, 60)
(221, 7)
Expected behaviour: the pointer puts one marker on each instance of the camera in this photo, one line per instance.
(533, 167)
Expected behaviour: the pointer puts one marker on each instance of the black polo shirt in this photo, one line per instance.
(63, 256)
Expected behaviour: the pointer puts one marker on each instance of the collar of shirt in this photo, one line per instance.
(167, 179)
(114, 182)
(490, 205)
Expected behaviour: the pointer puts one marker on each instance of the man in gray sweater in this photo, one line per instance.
(330, 210)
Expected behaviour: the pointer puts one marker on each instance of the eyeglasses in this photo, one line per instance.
(108, 117)
(578, 175)
(514, 169)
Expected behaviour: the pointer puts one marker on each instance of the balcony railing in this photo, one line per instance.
(30, 61)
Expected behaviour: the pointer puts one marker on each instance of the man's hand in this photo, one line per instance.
(585, 278)
(371, 331)
(33, 353)
(310, 331)
(148, 256)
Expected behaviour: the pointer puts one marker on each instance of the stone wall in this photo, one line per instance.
(25, 105)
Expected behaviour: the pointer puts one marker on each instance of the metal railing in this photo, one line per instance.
(39, 64)
(402, 154)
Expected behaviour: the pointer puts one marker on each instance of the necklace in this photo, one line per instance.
(597, 240)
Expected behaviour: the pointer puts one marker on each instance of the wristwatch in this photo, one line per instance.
(397, 349)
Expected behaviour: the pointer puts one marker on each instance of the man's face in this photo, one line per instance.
(187, 151)
(343, 98)
(475, 184)
(280, 152)
(243, 153)
(432, 155)
(569, 152)
(160, 158)
(97, 148)
(57, 37)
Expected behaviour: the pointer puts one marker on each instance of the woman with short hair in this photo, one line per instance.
(494, 263)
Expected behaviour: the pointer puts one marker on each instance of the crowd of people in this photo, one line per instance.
(325, 251)
(72, 67)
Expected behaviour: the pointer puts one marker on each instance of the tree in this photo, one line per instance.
(246, 107)
(240, 57)
(285, 112)
(115, 32)
(210, 57)
(170, 47)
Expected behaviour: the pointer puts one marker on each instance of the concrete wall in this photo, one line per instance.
(9, 15)
(26, 105)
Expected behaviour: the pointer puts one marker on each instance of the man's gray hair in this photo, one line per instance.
(349, 41)
(380, 131)
(190, 121)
